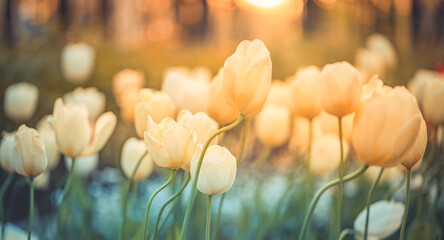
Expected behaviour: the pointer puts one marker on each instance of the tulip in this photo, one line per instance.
(217, 172)
(48, 135)
(379, 44)
(247, 77)
(77, 60)
(433, 97)
(170, 144)
(6, 149)
(382, 141)
(329, 124)
(370, 63)
(420, 82)
(155, 103)
(300, 134)
(84, 165)
(305, 92)
(280, 94)
(20, 101)
(42, 180)
(125, 80)
(189, 89)
(29, 153)
(133, 150)
(129, 100)
(202, 124)
(218, 108)
(272, 125)
(74, 134)
(416, 152)
(91, 98)
(325, 155)
(340, 89)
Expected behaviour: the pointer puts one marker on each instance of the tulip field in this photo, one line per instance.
(233, 119)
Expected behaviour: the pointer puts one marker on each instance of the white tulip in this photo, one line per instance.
(91, 98)
(133, 150)
(48, 135)
(6, 149)
(84, 165)
(77, 61)
(20, 101)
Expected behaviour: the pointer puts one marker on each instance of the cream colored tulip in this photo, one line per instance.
(125, 80)
(170, 144)
(272, 125)
(20, 101)
(129, 100)
(383, 140)
(340, 89)
(91, 98)
(42, 181)
(420, 82)
(6, 150)
(416, 152)
(247, 77)
(202, 124)
(432, 102)
(330, 125)
(188, 88)
(218, 108)
(77, 62)
(48, 135)
(29, 155)
(75, 137)
(325, 153)
(370, 63)
(379, 44)
(84, 165)
(217, 172)
(305, 92)
(155, 103)
(280, 94)
(133, 150)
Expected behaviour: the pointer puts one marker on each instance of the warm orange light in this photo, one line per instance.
(266, 3)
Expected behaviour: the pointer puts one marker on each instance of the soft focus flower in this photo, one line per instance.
(247, 77)
(385, 219)
(280, 94)
(6, 149)
(170, 144)
(188, 88)
(340, 89)
(91, 98)
(75, 137)
(416, 151)
(325, 153)
(390, 175)
(42, 180)
(432, 102)
(133, 150)
(127, 80)
(217, 172)
(48, 135)
(300, 134)
(330, 124)
(155, 103)
(128, 102)
(378, 43)
(29, 155)
(20, 101)
(384, 139)
(420, 82)
(305, 92)
(77, 62)
(218, 108)
(202, 124)
(84, 165)
(272, 125)
(370, 63)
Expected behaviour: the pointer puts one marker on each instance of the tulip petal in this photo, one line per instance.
(157, 151)
(104, 128)
(75, 132)
(179, 142)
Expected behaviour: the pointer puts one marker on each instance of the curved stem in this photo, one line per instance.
(173, 173)
(207, 235)
(369, 200)
(64, 194)
(125, 195)
(319, 193)
(346, 232)
(406, 206)
(199, 164)
(341, 181)
(31, 207)
(185, 183)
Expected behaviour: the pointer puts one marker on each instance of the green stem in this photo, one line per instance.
(2, 192)
(341, 181)
(395, 188)
(346, 232)
(308, 160)
(406, 206)
(173, 173)
(170, 212)
(207, 235)
(176, 195)
(64, 194)
(31, 207)
(199, 164)
(239, 157)
(319, 193)
(369, 200)
(125, 195)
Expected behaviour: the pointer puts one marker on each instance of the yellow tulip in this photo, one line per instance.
(305, 92)
(416, 152)
(325, 155)
(272, 125)
(133, 150)
(91, 98)
(125, 80)
(329, 124)
(48, 135)
(280, 94)
(20, 101)
(432, 102)
(29, 153)
(6, 149)
(202, 124)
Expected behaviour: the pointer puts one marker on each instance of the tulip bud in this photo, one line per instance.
(29, 153)
(170, 144)
(433, 98)
(379, 44)
(155, 103)
(217, 172)
(125, 80)
(415, 153)
(84, 165)
(420, 82)
(247, 77)
(305, 92)
(77, 62)
(383, 140)
(340, 88)
(91, 98)
(48, 135)
(202, 124)
(129, 100)
(280, 94)
(370, 63)
(272, 125)
(218, 108)
(325, 153)
(133, 150)
(6, 149)
(20, 101)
